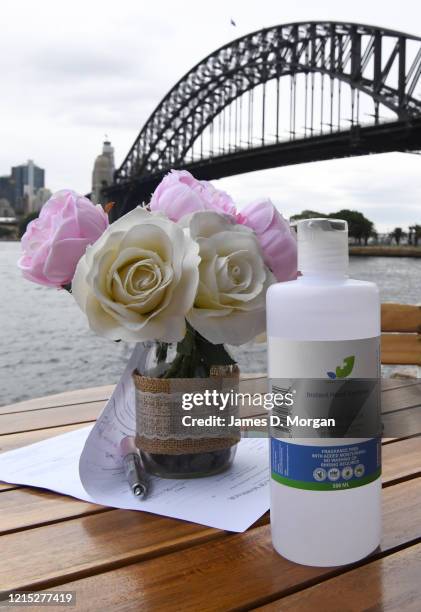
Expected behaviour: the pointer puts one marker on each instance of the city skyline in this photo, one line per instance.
(82, 87)
(23, 190)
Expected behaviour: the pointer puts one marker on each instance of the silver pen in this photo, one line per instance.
(133, 468)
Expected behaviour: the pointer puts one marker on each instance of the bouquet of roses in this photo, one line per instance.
(187, 269)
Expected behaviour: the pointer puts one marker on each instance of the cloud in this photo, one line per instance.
(86, 62)
(71, 72)
(386, 188)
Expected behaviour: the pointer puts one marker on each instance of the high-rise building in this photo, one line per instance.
(41, 196)
(6, 211)
(26, 179)
(103, 172)
(6, 189)
(24, 189)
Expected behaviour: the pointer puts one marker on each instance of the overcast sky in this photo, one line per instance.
(71, 72)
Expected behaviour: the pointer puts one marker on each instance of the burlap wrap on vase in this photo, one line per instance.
(159, 413)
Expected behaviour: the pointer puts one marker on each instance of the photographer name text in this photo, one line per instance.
(273, 420)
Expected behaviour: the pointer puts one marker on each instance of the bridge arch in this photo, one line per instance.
(382, 64)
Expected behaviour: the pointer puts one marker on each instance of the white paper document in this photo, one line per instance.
(86, 464)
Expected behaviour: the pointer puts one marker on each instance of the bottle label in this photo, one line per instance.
(324, 359)
(335, 384)
(325, 468)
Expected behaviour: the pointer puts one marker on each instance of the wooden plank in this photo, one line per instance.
(12, 441)
(48, 417)
(392, 583)
(67, 398)
(405, 394)
(241, 571)
(404, 349)
(81, 396)
(91, 544)
(400, 399)
(23, 508)
(9, 442)
(402, 423)
(256, 383)
(401, 460)
(398, 382)
(84, 412)
(42, 418)
(401, 318)
(396, 393)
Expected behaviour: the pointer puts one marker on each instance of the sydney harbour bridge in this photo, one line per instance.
(288, 94)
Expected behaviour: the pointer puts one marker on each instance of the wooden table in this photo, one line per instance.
(127, 560)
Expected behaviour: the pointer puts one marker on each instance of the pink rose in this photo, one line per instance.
(53, 244)
(179, 194)
(276, 240)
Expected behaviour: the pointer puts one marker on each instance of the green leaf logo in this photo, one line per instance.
(346, 368)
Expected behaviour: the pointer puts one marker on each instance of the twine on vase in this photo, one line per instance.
(159, 413)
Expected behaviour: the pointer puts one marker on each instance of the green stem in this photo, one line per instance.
(196, 356)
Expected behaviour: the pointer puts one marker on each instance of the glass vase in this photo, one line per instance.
(166, 373)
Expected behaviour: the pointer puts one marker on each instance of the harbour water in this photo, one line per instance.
(47, 347)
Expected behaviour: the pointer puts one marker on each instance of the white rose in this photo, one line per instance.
(230, 302)
(139, 279)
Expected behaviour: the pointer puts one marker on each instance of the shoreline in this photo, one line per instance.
(385, 251)
(359, 251)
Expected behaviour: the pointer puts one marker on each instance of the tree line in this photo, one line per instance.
(413, 234)
(362, 229)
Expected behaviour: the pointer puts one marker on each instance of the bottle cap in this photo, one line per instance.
(322, 247)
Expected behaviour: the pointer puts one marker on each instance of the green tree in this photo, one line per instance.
(368, 231)
(24, 222)
(374, 235)
(308, 214)
(397, 235)
(359, 227)
(414, 234)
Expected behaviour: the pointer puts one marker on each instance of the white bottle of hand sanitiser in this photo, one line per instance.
(325, 492)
